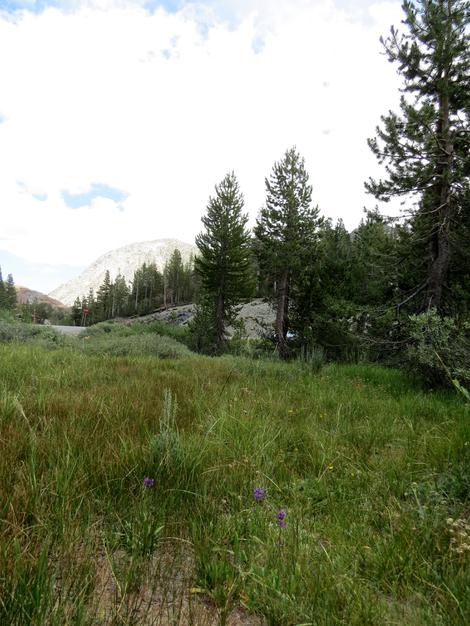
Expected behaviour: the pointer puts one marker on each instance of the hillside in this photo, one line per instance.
(123, 260)
(25, 295)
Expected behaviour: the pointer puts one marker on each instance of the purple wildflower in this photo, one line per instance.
(259, 494)
(149, 482)
(281, 519)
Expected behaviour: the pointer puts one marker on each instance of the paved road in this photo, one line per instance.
(67, 330)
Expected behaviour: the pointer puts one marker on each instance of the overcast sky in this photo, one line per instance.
(117, 117)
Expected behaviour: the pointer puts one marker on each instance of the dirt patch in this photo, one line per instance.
(155, 592)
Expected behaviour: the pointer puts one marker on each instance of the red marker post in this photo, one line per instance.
(85, 312)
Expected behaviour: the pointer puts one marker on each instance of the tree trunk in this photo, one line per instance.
(440, 243)
(282, 322)
(220, 323)
(439, 267)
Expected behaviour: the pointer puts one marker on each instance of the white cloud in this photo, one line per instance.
(161, 108)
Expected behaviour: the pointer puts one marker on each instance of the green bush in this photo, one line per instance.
(30, 333)
(312, 358)
(7, 316)
(165, 329)
(440, 350)
(201, 328)
(134, 345)
(118, 329)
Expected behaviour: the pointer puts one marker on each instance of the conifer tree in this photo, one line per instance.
(324, 283)
(3, 294)
(335, 251)
(10, 291)
(189, 281)
(223, 262)
(120, 296)
(147, 289)
(91, 306)
(173, 276)
(426, 147)
(286, 232)
(76, 312)
(374, 261)
(104, 299)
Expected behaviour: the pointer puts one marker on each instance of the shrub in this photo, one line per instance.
(238, 342)
(118, 329)
(202, 330)
(165, 329)
(134, 345)
(30, 333)
(440, 350)
(313, 358)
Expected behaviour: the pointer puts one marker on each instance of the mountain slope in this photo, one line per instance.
(123, 260)
(25, 295)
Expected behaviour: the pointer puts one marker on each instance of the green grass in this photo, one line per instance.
(149, 344)
(367, 467)
(119, 329)
(12, 331)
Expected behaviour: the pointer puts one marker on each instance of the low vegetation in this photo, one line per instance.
(14, 332)
(195, 490)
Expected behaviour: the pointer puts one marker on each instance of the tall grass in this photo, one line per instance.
(367, 468)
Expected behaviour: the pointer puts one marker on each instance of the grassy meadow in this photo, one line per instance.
(127, 481)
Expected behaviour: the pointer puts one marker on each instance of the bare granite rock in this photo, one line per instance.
(257, 316)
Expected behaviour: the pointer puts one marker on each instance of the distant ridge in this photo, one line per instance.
(25, 295)
(123, 260)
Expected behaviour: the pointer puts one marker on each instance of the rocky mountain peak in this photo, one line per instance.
(123, 261)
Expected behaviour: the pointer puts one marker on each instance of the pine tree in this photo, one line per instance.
(76, 312)
(104, 299)
(3, 294)
(287, 233)
(373, 261)
(10, 291)
(323, 285)
(91, 306)
(426, 148)
(173, 276)
(189, 281)
(223, 262)
(120, 296)
(335, 260)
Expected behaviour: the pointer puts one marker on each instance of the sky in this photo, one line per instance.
(118, 117)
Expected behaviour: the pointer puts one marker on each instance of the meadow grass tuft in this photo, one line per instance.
(191, 490)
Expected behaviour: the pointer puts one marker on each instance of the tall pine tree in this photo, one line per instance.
(173, 275)
(76, 312)
(103, 304)
(223, 261)
(11, 298)
(3, 293)
(120, 296)
(286, 233)
(426, 147)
